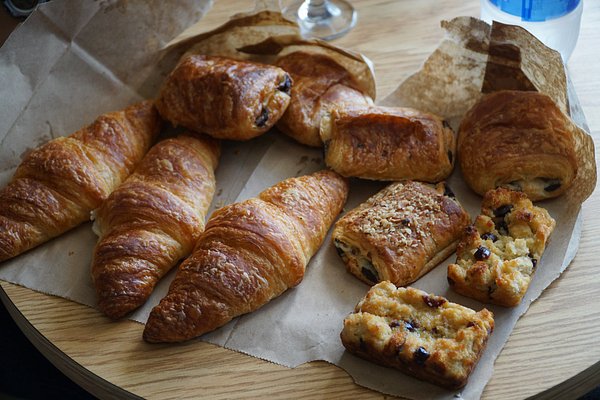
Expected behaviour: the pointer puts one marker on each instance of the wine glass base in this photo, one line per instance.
(337, 18)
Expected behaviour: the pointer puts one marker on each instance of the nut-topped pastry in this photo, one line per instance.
(418, 333)
(498, 255)
(224, 98)
(400, 233)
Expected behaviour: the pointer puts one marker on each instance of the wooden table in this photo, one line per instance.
(553, 351)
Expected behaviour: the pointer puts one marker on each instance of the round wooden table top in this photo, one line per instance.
(554, 349)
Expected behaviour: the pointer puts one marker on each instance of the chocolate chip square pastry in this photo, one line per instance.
(421, 334)
(498, 255)
(400, 233)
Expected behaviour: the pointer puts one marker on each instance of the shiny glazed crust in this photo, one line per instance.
(498, 255)
(421, 334)
(401, 233)
(152, 221)
(58, 184)
(249, 253)
(319, 84)
(224, 98)
(518, 140)
(385, 143)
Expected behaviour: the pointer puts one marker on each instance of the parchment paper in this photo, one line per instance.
(73, 60)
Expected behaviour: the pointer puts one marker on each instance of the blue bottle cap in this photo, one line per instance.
(536, 10)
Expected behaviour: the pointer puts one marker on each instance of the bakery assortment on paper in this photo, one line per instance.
(152, 221)
(237, 85)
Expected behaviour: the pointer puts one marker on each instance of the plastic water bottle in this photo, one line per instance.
(555, 22)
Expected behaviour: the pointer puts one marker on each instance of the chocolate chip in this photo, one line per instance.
(262, 119)
(502, 227)
(286, 85)
(434, 301)
(421, 355)
(448, 192)
(470, 324)
(533, 261)
(394, 324)
(502, 210)
(482, 253)
(489, 236)
(340, 252)
(405, 221)
(450, 156)
(371, 275)
(552, 187)
(410, 326)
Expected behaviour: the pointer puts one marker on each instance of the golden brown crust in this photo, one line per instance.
(319, 84)
(249, 253)
(58, 184)
(401, 233)
(388, 143)
(498, 255)
(151, 221)
(421, 334)
(519, 140)
(224, 98)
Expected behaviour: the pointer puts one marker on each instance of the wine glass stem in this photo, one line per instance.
(317, 9)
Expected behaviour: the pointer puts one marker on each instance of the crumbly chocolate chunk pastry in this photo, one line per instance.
(224, 98)
(421, 334)
(498, 255)
(400, 233)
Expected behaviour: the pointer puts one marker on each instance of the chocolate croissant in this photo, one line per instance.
(224, 98)
(249, 253)
(58, 184)
(319, 84)
(518, 140)
(152, 221)
(388, 143)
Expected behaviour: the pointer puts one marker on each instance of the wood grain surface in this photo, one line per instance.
(554, 348)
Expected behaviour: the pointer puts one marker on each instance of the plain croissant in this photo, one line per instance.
(250, 253)
(58, 184)
(152, 221)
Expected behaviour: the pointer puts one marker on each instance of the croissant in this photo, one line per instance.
(319, 84)
(249, 253)
(518, 140)
(58, 184)
(151, 221)
(224, 98)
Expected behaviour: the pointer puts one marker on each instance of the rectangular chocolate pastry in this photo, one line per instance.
(400, 233)
(421, 334)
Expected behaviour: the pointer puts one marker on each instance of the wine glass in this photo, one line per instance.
(324, 19)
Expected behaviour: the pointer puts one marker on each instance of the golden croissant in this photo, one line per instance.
(250, 253)
(152, 221)
(58, 184)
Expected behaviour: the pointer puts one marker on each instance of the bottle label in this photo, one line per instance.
(536, 10)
